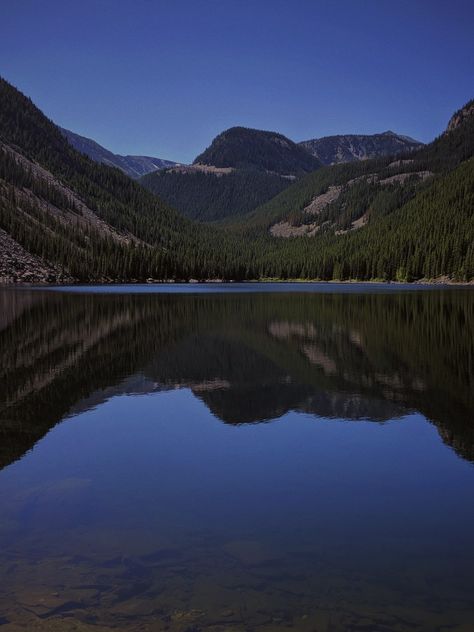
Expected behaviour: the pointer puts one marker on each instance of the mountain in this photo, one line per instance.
(240, 170)
(133, 166)
(406, 218)
(331, 150)
(64, 217)
(244, 148)
(244, 168)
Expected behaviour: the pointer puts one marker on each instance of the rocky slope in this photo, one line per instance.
(133, 166)
(461, 116)
(332, 150)
(17, 265)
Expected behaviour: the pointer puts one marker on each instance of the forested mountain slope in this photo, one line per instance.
(405, 218)
(85, 220)
(206, 195)
(240, 170)
(333, 198)
(244, 168)
(65, 218)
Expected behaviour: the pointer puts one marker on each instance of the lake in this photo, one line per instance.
(239, 457)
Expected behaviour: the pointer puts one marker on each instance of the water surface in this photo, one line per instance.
(237, 458)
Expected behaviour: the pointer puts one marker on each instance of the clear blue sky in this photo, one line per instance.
(164, 77)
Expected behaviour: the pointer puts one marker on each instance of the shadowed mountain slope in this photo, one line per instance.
(133, 166)
(83, 220)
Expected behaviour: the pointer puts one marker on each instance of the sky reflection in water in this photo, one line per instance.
(244, 461)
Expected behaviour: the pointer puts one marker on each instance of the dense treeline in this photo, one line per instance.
(296, 197)
(430, 236)
(208, 197)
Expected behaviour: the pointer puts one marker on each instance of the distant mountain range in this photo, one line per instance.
(245, 148)
(133, 166)
(244, 168)
(331, 150)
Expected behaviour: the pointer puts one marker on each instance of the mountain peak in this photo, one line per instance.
(351, 147)
(246, 148)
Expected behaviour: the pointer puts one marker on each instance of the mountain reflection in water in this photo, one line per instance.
(186, 462)
(249, 358)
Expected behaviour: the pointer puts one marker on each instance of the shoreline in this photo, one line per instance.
(215, 282)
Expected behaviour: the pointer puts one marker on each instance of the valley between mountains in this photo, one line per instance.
(254, 205)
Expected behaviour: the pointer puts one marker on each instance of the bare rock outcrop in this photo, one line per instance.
(459, 117)
(17, 265)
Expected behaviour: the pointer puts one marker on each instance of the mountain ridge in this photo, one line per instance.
(244, 168)
(248, 148)
(341, 148)
(132, 165)
(387, 173)
(241, 169)
(407, 218)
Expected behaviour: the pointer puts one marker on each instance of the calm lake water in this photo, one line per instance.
(191, 458)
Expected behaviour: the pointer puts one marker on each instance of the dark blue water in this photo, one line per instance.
(243, 461)
(250, 287)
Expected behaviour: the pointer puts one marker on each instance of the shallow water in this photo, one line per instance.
(237, 458)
